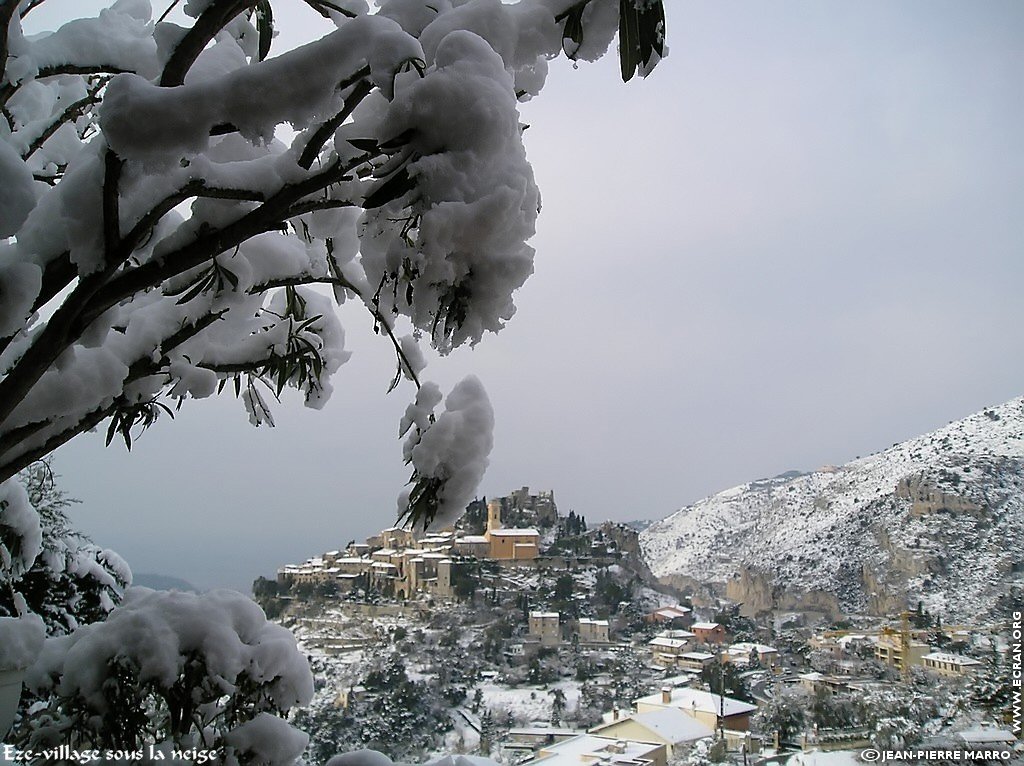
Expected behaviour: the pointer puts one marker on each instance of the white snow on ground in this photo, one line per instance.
(833, 758)
(529, 703)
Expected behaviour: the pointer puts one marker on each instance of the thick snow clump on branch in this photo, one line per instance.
(451, 448)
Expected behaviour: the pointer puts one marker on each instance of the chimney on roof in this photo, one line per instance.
(615, 712)
(666, 695)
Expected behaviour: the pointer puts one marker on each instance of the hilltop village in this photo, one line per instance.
(530, 637)
(398, 564)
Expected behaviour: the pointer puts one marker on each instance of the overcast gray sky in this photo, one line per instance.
(798, 242)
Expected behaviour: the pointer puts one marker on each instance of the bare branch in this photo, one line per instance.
(403, 359)
(195, 188)
(322, 6)
(31, 7)
(113, 165)
(7, 10)
(167, 11)
(211, 21)
(310, 205)
(90, 421)
(72, 112)
(270, 284)
(326, 130)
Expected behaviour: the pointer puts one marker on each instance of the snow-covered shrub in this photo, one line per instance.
(896, 716)
(70, 581)
(171, 670)
(785, 713)
(21, 539)
(395, 715)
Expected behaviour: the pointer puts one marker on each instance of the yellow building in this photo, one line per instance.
(670, 727)
(890, 650)
(509, 544)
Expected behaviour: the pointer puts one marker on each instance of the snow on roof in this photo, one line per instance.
(706, 702)
(514, 533)
(747, 647)
(680, 680)
(954, 659)
(472, 539)
(676, 634)
(589, 747)
(853, 637)
(673, 725)
(705, 625)
(820, 758)
(544, 615)
(985, 734)
(587, 621)
(702, 656)
(670, 643)
(673, 611)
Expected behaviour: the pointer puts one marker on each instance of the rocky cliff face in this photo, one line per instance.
(627, 540)
(937, 519)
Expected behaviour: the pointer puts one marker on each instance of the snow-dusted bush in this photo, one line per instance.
(70, 581)
(174, 671)
(164, 244)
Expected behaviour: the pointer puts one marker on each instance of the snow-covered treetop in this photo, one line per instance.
(162, 242)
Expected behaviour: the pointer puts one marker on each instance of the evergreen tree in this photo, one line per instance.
(557, 705)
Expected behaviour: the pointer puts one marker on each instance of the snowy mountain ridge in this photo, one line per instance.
(936, 519)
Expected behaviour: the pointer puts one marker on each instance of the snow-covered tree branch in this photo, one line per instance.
(163, 240)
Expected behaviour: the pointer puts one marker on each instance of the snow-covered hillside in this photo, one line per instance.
(938, 519)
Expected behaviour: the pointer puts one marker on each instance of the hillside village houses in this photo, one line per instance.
(890, 649)
(744, 653)
(397, 562)
(676, 616)
(947, 664)
(710, 709)
(708, 632)
(656, 732)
